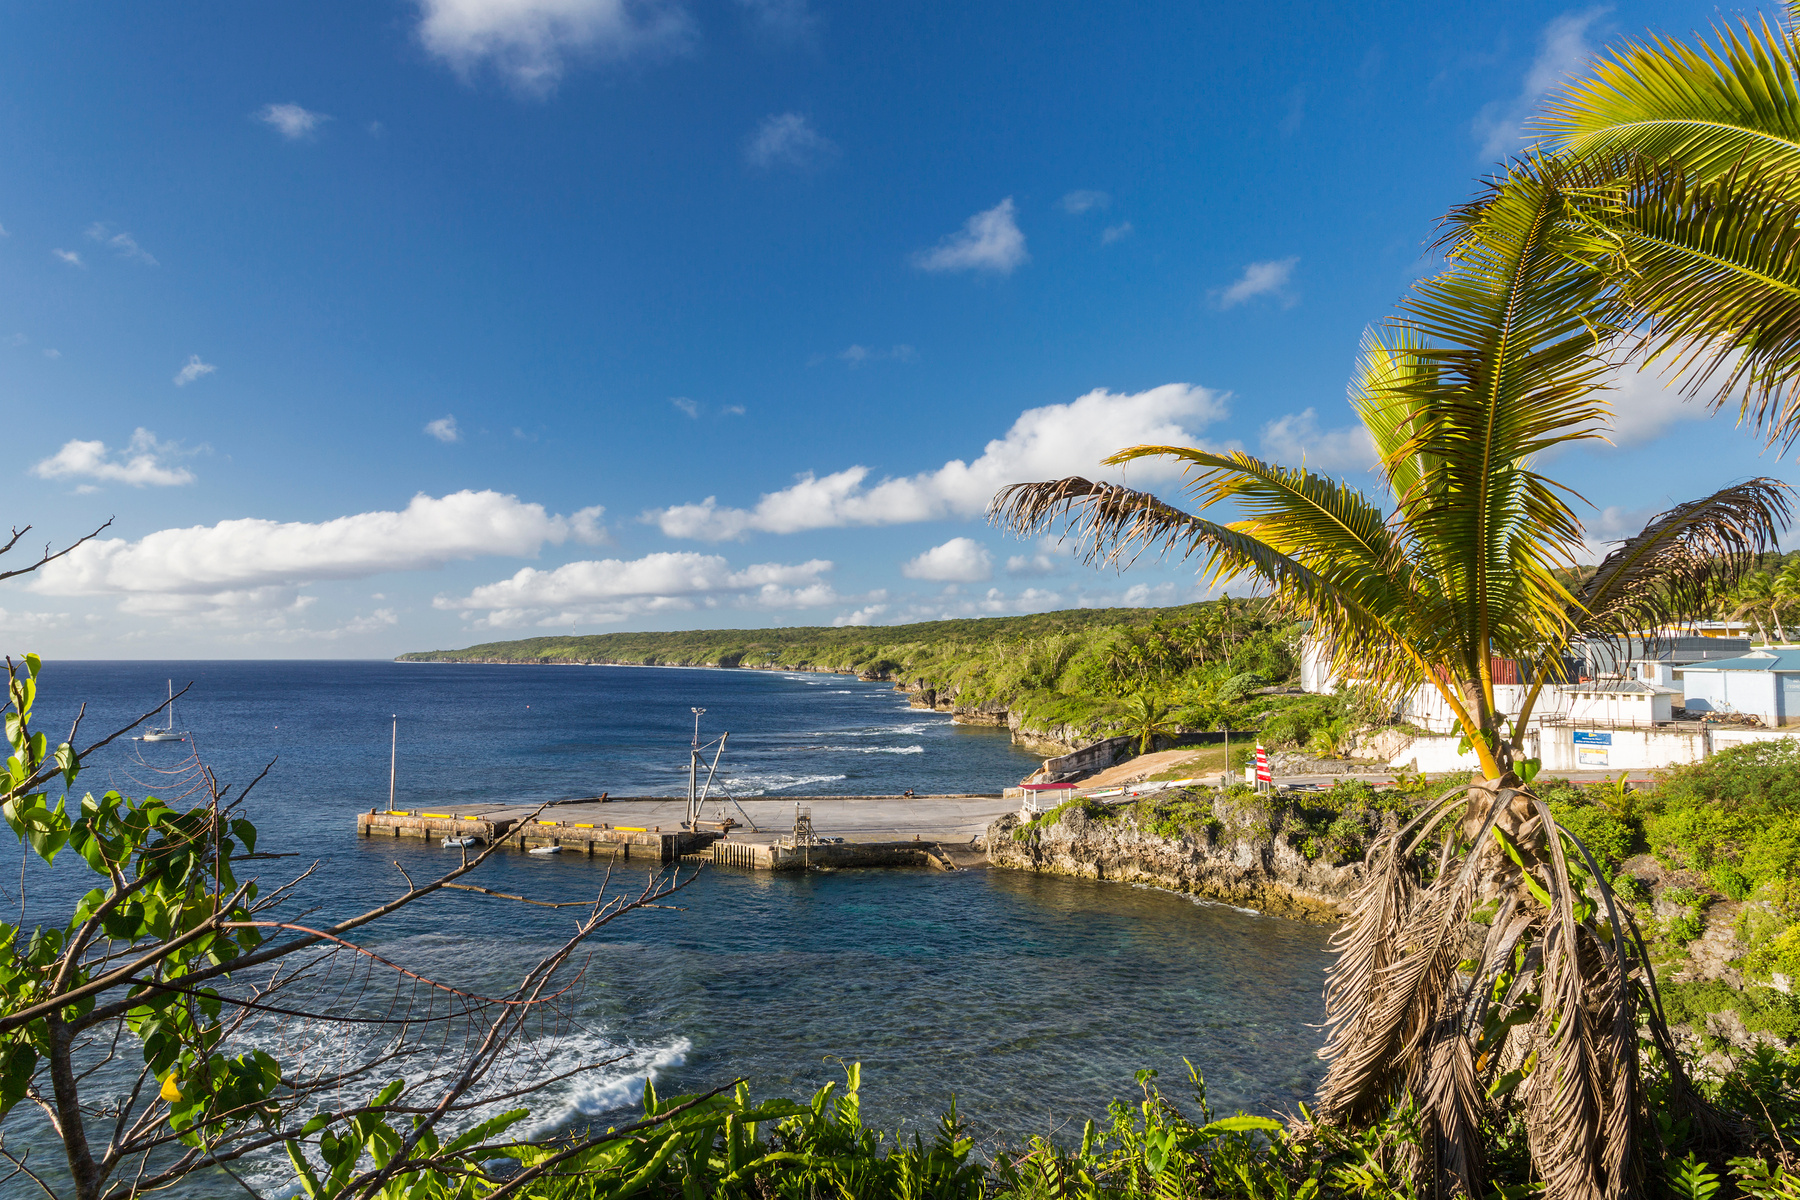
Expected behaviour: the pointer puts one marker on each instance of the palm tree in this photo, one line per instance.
(1463, 561)
(1146, 719)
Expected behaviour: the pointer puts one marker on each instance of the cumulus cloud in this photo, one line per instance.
(530, 43)
(959, 560)
(855, 355)
(601, 590)
(1261, 279)
(255, 564)
(687, 406)
(790, 20)
(1038, 562)
(72, 257)
(142, 463)
(1114, 233)
(290, 120)
(193, 369)
(1057, 439)
(1080, 201)
(1645, 403)
(1297, 438)
(992, 603)
(1563, 50)
(785, 140)
(444, 429)
(15, 622)
(121, 243)
(859, 616)
(988, 241)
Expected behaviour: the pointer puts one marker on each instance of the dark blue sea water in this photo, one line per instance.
(1030, 999)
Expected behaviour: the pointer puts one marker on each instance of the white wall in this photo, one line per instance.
(1751, 692)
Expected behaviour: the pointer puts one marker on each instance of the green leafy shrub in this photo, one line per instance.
(1762, 1010)
(1738, 810)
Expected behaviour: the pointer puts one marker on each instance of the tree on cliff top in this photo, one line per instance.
(1491, 363)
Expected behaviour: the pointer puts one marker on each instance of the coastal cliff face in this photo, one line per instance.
(1055, 739)
(1236, 857)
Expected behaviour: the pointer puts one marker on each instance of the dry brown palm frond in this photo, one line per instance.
(1382, 1018)
(1566, 1118)
(1454, 1101)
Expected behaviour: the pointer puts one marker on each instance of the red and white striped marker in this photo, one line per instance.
(1263, 774)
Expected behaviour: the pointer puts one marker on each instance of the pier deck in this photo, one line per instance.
(941, 831)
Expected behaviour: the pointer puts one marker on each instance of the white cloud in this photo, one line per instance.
(1038, 562)
(252, 563)
(959, 560)
(1078, 202)
(1646, 403)
(51, 353)
(141, 464)
(988, 241)
(732, 410)
(121, 242)
(993, 603)
(1057, 439)
(1148, 595)
(4, 232)
(530, 43)
(1261, 279)
(600, 590)
(787, 19)
(856, 355)
(290, 120)
(860, 616)
(72, 257)
(1296, 439)
(14, 622)
(192, 370)
(1114, 233)
(444, 429)
(1563, 51)
(785, 140)
(691, 408)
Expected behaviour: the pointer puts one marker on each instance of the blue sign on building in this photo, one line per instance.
(1592, 748)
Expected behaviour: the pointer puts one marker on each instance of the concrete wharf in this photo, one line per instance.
(849, 831)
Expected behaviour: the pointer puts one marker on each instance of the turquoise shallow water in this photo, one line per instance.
(1030, 999)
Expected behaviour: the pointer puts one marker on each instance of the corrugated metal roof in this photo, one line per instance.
(1756, 660)
(1614, 687)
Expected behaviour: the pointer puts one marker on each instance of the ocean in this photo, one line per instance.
(1031, 1000)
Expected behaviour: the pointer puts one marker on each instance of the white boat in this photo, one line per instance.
(169, 733)
(545, 850)
(455, 842)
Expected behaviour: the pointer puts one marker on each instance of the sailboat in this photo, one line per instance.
(167, 734)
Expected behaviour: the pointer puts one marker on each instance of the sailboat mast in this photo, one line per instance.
(171, 706)
(393, 757)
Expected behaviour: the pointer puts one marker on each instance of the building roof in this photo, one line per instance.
(1757, 660)
(1615, 687)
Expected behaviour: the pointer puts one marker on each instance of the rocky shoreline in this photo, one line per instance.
(1236, 858)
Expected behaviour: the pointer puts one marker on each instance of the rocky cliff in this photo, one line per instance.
(1219, 848)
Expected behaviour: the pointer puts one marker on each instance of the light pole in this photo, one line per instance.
(694, 768)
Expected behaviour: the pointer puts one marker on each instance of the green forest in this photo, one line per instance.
(1080, 673)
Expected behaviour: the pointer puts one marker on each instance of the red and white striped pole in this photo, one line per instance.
(1263, 774)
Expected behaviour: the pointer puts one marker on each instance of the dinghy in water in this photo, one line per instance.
(545, 850)
(460, 842)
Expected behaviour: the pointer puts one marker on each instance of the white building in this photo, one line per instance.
(1764, 683)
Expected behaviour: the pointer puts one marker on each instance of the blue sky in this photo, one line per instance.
(387, 326)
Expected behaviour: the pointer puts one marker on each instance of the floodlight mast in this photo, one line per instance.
(694, 771)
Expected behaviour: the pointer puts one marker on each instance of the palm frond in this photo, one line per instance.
(1706, 274)
(1672, 569)
(1709, 107)
(1115, 525)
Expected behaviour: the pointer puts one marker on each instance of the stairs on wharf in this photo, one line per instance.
(849, 831)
